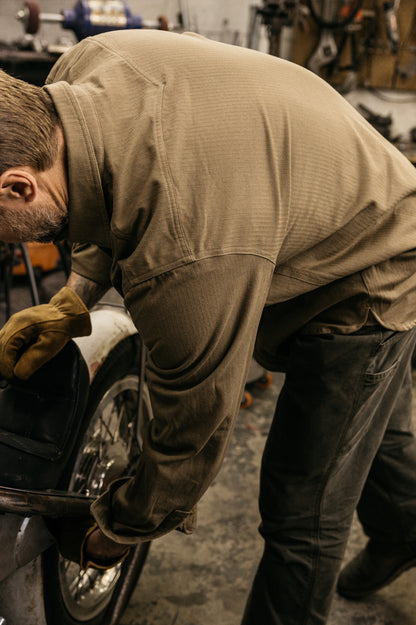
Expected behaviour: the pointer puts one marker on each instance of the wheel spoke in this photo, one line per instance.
(111, 440)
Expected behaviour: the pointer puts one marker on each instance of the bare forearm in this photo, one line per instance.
(89, 291)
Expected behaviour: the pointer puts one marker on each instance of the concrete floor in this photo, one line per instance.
(204, 579)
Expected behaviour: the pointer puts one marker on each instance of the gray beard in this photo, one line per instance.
(43, 224)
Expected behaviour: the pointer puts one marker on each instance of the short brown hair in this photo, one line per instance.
(28, 121)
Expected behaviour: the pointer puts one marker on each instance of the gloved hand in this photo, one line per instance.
(33, 336)
(80, 540)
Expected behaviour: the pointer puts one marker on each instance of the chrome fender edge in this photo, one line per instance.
(109, 327)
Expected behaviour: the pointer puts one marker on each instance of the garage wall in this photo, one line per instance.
(205, 16)
(225, 20)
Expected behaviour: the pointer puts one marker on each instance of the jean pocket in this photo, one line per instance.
(386, 358)
(376, 378)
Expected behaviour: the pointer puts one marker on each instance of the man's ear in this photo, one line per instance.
(18, 183)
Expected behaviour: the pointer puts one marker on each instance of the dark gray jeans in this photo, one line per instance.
(341, 438)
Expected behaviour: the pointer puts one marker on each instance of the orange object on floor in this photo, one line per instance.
(44, 256)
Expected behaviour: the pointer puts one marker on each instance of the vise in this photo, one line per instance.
(87, 18)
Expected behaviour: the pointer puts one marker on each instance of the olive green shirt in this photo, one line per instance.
(209, 183)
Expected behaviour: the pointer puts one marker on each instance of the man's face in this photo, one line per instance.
(42, 221)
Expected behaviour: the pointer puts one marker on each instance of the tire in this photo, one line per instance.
(106, 449)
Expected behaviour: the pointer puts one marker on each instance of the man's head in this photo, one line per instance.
(32, 169)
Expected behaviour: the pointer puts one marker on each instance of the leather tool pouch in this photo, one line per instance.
(40, 419)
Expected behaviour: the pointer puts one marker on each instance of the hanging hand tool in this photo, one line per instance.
(326, 50)
(349, 57)
(280, 18)
(408, 70)
(333, 17)
(390, 16)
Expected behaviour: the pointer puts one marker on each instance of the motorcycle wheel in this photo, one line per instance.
(110, 446)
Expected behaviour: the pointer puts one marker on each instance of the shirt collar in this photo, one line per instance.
(88, 218)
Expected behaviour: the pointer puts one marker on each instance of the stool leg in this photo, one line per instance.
(31, 274)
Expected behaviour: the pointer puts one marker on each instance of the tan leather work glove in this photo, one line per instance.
(33, 336)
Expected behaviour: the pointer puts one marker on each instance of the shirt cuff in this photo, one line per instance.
(182, 520)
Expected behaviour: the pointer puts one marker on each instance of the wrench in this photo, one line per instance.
(326, 49)
(325, 52)
(392, 27)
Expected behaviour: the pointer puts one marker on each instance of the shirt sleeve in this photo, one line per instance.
(199, 323)
(92, 262)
